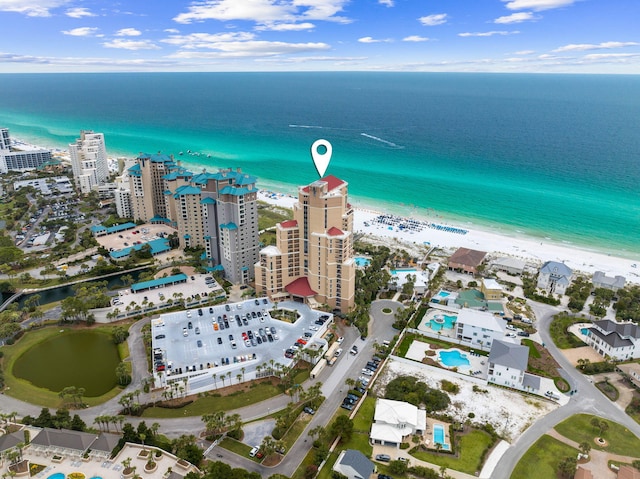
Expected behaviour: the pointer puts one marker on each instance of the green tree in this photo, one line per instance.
(567, 467)
(342, 426)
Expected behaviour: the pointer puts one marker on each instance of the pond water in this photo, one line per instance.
(85, 359)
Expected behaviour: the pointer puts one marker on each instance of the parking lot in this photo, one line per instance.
(138, 235)
(230, 341)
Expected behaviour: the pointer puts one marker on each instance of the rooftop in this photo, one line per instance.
(467, 257)
(509, 354)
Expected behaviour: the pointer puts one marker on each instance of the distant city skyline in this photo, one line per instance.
(554, 36)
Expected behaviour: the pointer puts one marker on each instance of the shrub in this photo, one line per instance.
(449, 386)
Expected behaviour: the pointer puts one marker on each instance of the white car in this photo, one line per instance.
(510, 327)
(313, 328)
(338, 352)
(367, 372)
(340, 339)
(511, 335)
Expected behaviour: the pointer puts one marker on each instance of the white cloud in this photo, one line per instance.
(207, 40)
(374, 40)
(580, 47)
(517, 18)
(337, 60)
(252, 48)
(610, 56)
(171, 30)
(537, 5)
(79, 12)
(415, 38)
(263, 12)
(131, 44)
(525, 52)
(487, 34)
(32, 8)
(433, 20)
(128, 32)
(81, 31)
(388, 3)
(286, 27)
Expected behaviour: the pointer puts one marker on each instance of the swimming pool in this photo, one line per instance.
(394, 272)
(362, 261)
(443, 321)
(584, 331)
(57, 475)
(438, 436)
(443, 294)
(452, 358)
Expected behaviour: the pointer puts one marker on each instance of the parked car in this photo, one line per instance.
(383, 458)
(160, 336)
(309, 410)
(523, 333)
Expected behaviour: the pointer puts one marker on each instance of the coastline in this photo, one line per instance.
(497, 243)
(534, 252)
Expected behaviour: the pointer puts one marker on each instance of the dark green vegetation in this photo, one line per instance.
(601, 301)
(628, 304)
(578, 293)
(587, 367)
(542, 459)
(559, 331)
(529, 287)
(84, 359)
(633, 409)
(368, 283)
(411, 390)
(60, 420)
(608, 390)
(585, 427)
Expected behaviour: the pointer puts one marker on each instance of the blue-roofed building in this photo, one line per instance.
(159, 283)
(158, 246)
(101, 230)
(217, 211)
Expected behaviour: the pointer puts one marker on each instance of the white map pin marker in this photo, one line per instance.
(321, 160)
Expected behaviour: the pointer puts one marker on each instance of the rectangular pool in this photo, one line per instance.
(438, 436)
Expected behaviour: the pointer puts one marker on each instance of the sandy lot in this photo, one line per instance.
(509, 412)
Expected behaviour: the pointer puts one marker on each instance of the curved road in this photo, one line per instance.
(587, 400)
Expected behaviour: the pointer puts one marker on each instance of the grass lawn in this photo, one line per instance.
(472, 446)
(620, 439)
(533, 352)
(207, 404)
(270, 215)
(364, 418)
(238, 447)
(542, 459)
(24, 390)
(559, 334)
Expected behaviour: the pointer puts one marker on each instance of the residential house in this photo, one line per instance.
(619, 341)
(601, 280)
(632, 371)
(512, 266)
(628, 472)
(582, 473)
(507, 364)
(354, 465)
(491, 289)
(479, 328)
(466, 260)
(395, 420)
(555, 277)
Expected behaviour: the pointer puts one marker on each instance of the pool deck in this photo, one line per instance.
(417, 352)
(425, 323)
(102, 467)
(447, 439)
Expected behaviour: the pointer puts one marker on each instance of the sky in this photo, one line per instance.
(540, 36)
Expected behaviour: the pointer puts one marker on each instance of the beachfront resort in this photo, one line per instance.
(249, 311)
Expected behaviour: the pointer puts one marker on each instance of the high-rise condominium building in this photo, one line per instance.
(24, 158)
(89, 160)
(312, 259)
(217, 211)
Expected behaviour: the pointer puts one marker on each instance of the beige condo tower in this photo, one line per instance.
(312, 260)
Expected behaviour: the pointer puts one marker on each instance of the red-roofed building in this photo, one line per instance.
(312, 260)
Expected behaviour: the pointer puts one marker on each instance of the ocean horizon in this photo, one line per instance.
(552, 157)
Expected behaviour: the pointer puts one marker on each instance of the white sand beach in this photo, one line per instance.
(532, 251)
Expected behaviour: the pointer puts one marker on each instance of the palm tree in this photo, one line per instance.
(242, 369)
(238, 377)
(214, 380)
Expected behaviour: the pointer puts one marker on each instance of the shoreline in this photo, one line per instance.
(504, 242)
(580, 260)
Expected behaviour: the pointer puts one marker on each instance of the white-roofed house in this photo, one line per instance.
(395, 420)
(479, 328)
(555, 277)
(491, 289)
(513, 266)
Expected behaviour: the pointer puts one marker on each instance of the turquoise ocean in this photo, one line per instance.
(554, 157)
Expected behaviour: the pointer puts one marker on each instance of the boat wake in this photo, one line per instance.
(390, 143)
(306, 126)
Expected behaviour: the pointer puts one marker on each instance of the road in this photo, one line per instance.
(587, 400)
